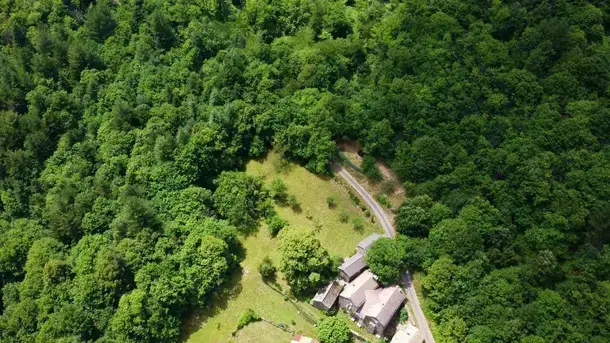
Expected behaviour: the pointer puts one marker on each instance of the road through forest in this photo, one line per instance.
(386, 224)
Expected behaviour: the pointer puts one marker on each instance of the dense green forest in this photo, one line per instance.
(117, 119)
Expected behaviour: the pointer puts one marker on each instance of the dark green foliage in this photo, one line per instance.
(16, 240)
(241, 198)
(455, 238)
(278, 190)
(275, 224)
(422, 160)
(334, 330)
(370, 169)
(140, 318)
(249, 316)
(267, 269)
(100, 21)
(404, 315)
(161, 29)
(116, 117)
(331, 201)
(417, 253)
(343, 216)
(417, 215)
(386, 258)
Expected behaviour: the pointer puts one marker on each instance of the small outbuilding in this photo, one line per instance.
(326, 297)
(352, 267)
(407, 334)
(302, 339)
(366, 243)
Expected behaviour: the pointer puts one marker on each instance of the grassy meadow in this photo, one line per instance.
(247, 289)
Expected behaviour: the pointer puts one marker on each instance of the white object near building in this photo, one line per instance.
(407, 334)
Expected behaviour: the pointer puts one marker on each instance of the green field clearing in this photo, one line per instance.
(249, 291)
(311, 191)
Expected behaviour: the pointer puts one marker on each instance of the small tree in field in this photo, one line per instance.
(331, 201)
(357, 224)
(275, 224)
(279, 191)
(293, 202)
(249, 316)
(267, 269)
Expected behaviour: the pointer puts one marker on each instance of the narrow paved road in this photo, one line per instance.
(373, 204)
(386, 223)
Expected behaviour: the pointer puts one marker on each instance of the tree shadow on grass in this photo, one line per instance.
(195, 318)
(249, 228)
(324, 177)
(298, 301)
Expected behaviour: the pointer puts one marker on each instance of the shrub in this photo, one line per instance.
(383, 199)
(278, 189)
(404, 315)
(343, 216)
(275, 224)
(370, 169)
(331, 201)
(354, 198)
(249, 316)
(267, 269)
(334, 330)
(293, 202)
(357, 224)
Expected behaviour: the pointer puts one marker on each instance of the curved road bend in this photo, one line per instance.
(386, 223)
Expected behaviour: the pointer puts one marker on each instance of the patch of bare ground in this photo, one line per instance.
(350, 150)
(390, 176)
(391, 186)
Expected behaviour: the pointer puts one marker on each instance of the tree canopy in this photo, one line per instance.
(304, 262)
(334, 330)
(124, 127)
(386, 258)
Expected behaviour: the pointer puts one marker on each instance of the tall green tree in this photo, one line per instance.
(387, 258)
(304, 262)
(241, 198)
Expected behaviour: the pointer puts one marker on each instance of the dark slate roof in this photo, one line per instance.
(353, 265)
(366, 243)
(329, 294)
(383, 303)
